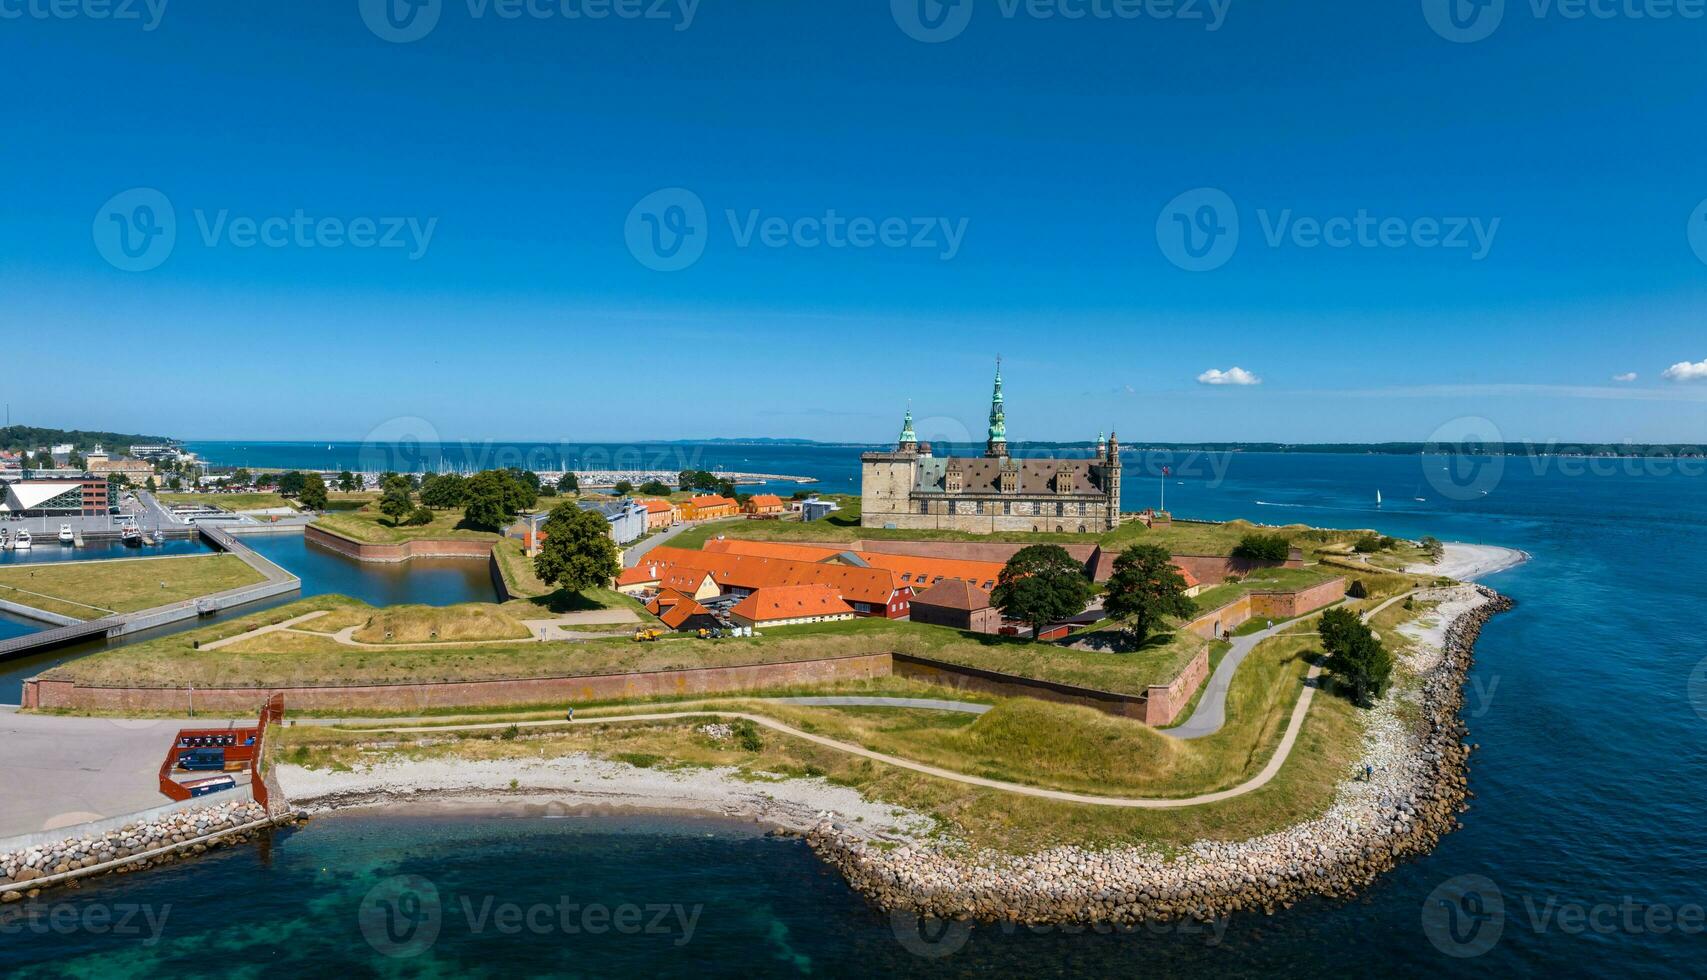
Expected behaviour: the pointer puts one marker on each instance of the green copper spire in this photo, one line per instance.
(998, 444)
(907, 433)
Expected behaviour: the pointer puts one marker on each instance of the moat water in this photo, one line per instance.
(1588, 703)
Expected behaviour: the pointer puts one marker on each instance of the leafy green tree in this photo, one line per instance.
(1356, 659)
(527, 478)
(568, 483)
(1432, 547)
(395, 500)
(240, 476)
(444, 491)
(623, 488)
(313, 492)
(492, 498)
(655, 488)
(726, 488)
(290, 484)
(348, 483)
(578, 553)
(1145, 588)
(1263, 547)
(1042, 584)
(419, 517)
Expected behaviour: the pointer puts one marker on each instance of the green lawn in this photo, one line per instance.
(92, 589)
(1264, 580)
(261, 501)
(366, 524)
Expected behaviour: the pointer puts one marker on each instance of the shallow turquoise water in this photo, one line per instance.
(1590, 783)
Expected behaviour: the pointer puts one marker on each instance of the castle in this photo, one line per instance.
(912, 489)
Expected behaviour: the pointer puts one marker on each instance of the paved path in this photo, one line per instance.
(59, 771)
(264, 630)
(1211, 711)
(633, 553)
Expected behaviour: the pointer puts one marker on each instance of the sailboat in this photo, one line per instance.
(1377, 498)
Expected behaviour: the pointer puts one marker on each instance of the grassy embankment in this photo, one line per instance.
(92, 589)
(1030, 742)
(262, 501)
(311, 655)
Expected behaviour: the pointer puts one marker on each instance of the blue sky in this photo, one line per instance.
(1037, 164)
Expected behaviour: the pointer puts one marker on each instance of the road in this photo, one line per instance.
(633, 553)
(59, 771)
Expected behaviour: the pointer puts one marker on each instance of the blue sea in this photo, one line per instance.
(1583, 841)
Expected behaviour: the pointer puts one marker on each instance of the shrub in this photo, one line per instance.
(1263, 547)
(419, 517)
(747, 735)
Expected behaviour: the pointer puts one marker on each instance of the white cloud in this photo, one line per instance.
(1685, 371)
(1231, 376)
(1625, 378)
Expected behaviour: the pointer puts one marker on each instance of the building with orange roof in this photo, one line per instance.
(659, 514)
(958, 604)
(710, 507)
(790, 605)
(652, 575)
(764, 505)
(917, 572)
(681, 612)
(870, 591)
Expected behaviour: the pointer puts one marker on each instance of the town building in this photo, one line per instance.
(627, 518)
(54, 497)
(911, 488)
(681, 612)
(660, 514)
(959, 605)
(653, 576)
(813, 509)
(764, 505)
(710, 507)
(790, 605)
(869, 591)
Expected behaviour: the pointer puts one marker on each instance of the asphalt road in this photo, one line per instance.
(58, 771)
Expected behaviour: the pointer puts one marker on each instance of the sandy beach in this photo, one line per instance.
(1470, 562)
(584, 781)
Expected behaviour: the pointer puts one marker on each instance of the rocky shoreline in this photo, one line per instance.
(129, 848)
(1416, 795)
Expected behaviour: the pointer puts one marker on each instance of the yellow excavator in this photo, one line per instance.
(649, 635)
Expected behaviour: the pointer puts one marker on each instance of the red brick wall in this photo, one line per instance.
(540, 690)
(1165, 702)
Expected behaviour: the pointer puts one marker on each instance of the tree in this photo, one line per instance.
(1145, 587)
(444, 491)
(655, 488)
(1263, 547)
(239, 476)
(623, 488)
(290, 484)
(568, 483)
(395, 500)
(578, 553)
(1433, 548)
(726, 488)
(313, 492)
(347, 482)
(1356, 658)
(527, 478)
(492, 498)
(1042, 584)
(419, 517)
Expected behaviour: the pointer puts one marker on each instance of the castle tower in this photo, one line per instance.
(909, 441)
(997, 446)
(1112, 480)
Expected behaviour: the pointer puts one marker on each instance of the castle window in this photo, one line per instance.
(1007, 507)
(1010, 481)
(1060, 511)
(952, 481)
(1064, 482)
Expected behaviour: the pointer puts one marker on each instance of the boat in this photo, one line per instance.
(5, 539)
(66, 536)
(130, 534)
(1377, 498)
(22, 542)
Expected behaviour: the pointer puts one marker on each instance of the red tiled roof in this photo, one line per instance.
(658, 506)
(713, 500)
(917, 572)
(681, 612)
(954, 594)
(669, 575)
(766, 500)
(790, 602)
(870, 585)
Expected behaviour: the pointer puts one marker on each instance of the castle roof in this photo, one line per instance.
(1036, 476)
